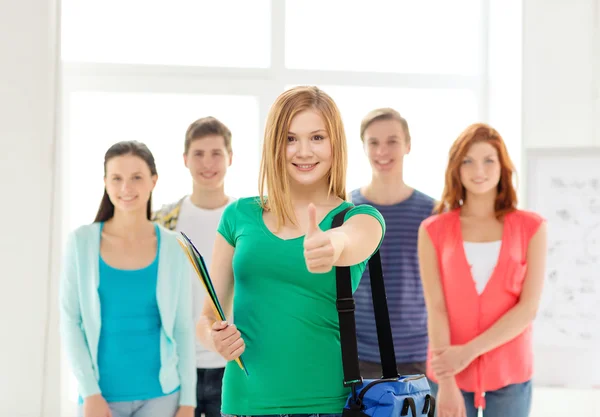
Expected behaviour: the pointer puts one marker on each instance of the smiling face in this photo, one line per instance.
(308, 151)
(385, 145)
(129, 183)
(480, 169)
(208, 159)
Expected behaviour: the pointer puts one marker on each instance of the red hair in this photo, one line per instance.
(454, 192)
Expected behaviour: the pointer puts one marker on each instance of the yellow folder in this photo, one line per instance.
(197, 262)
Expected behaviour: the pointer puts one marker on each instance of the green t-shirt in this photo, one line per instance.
(287, 317)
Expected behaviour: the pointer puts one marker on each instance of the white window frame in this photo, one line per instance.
(264, 83)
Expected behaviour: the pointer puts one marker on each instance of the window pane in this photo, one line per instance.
(97, 120)
(435, 118)
(407, 36)
(178, 32)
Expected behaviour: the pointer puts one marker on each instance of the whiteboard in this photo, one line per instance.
(563, 185)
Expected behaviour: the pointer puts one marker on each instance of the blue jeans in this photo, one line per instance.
(513, 400)
(287, 415)
(165, 406)
(208, 392)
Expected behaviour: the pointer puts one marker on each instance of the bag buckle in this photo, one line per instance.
(353, 383)
(355, 403)
(345, 305)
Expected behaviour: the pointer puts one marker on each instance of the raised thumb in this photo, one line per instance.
(313, 226)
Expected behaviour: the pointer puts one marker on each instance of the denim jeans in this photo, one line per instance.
(513, 400)
(165, 406)
(208, 392)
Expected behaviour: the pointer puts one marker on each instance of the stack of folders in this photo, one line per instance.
(197, 262)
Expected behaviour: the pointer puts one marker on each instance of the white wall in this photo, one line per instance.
(28, 74)
(559, 108)
(560, 97)
(558, 72)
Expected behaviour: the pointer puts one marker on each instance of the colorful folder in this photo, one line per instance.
(197, 262)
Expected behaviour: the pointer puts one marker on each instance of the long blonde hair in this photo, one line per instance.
(274, 189)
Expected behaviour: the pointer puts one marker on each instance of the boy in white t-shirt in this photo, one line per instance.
(207, 155)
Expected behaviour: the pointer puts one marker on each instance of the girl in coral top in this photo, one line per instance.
(482, 264)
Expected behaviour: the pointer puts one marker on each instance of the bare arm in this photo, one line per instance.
(221, 273)
(360, 236)
(516, 320)
(437, 316)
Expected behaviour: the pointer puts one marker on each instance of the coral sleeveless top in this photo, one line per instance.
(470, 313)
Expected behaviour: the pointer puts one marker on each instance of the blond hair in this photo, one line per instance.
(384, 113)
(274, 189)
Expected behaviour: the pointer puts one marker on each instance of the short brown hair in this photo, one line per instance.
(385, 113)
(204, 127)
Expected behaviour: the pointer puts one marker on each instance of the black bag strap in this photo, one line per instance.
(409, 404)
(346, 306)
(429, 406)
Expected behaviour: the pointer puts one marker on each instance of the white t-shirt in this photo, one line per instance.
(482, 257)
(200, 225)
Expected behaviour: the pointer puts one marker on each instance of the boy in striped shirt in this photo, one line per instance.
(386, 140)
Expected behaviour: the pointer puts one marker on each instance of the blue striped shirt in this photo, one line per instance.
(404, 290)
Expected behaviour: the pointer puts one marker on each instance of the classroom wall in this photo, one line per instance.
(560, 86)
(28, 73)
(559, 108)
(561, 75)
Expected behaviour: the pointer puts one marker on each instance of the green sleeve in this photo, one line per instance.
(227, 223)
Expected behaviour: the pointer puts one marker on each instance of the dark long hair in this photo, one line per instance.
(131, 147)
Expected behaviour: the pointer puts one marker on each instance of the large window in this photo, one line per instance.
(178, 32)
(402, 36)
(99, 119)
(146, 70)
(435, 119)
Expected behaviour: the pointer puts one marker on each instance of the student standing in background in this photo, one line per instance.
(386, 141)
(125, 301)
(482, 265)
(277, 253)
(207, 155)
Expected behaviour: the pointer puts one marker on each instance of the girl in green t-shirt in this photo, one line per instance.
(273, 266)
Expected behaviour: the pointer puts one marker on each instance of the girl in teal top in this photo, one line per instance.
(129, 344)
(126, 317)
(274, 262)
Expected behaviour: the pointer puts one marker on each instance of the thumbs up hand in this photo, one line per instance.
(321, 249)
